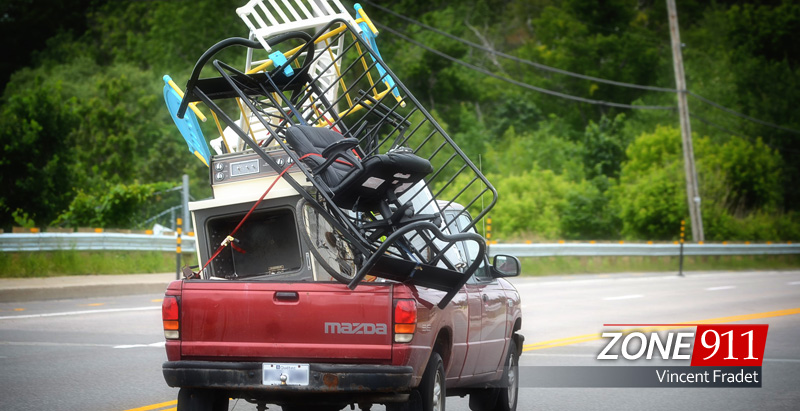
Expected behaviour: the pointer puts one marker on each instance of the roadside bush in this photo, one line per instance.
(530, 205)
(116, 206)
(739, 181)
(588, 213)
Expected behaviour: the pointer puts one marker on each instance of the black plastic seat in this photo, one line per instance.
(354, 181)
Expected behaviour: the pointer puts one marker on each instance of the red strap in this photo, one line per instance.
(338, 161)
(222, 246)
(237, 248)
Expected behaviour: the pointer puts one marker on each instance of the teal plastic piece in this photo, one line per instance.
(369, 37)
(278, 59)
(188, 125)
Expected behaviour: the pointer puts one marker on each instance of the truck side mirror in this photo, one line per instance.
(505, 266)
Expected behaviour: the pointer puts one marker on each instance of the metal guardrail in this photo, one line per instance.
(93, 242)
(633, 250)
(144, 242)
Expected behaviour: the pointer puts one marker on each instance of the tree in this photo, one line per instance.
(739, 181)
(604, 147)
(36, 167)
(530, 205)
(115, 206)
(588, 212)
(26, 26)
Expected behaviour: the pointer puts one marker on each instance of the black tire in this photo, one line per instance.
(330, 248)
(201, 400)
(509, 390)
(432, 387)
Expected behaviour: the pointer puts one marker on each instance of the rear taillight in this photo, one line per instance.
(170, 313)
(405, 320)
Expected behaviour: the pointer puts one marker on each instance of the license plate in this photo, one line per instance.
(284, 374)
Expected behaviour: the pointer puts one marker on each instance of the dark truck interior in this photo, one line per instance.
(267, 246)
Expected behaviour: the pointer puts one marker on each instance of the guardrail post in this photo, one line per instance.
(185, 202)
(178, 250)
(683, 233)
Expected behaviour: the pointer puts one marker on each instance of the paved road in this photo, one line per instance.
(57, 355)
(105, 353)
(559, 314)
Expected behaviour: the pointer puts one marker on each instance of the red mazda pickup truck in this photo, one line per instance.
(294, 338)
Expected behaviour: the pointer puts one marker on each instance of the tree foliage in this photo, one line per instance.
(86, 138)
(118, 206)
(37, 165)
(739, 181)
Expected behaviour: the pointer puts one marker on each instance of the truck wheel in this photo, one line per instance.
(509, 390)
(201, 400)
(432, 387)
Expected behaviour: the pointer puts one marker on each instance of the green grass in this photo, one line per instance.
(61, 263)
(541, 266)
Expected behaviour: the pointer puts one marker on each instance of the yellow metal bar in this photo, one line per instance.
(323, 121)
(353, 109)
(269, 62)
(246, 119)
(339, 75)
(366, 68)
(330, 34)
(200, 156)
(192, 106)
(260, 67)
(221, 133)
(365, 19)
(292, 52)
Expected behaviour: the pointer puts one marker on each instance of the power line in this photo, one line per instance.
(714, 125)
(735, 113)
(520, 60)
(567, 73)
(519, 83)
(728, 131)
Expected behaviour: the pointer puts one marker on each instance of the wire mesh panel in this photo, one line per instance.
(342, 85)
(334, 86)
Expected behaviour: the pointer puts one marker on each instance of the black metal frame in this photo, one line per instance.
(308, 104)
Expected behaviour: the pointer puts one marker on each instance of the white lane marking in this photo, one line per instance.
(722, 287)
(570, 282)
(157, 345)
(111, 310)
(623, 297)
(794, 283)
(781, 360)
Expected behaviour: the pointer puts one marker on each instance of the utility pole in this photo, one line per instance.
(185, 201)
(692, 192)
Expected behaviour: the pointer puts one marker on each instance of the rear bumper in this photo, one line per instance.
(244, 379)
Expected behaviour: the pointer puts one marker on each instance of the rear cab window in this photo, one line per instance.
(458, 221)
